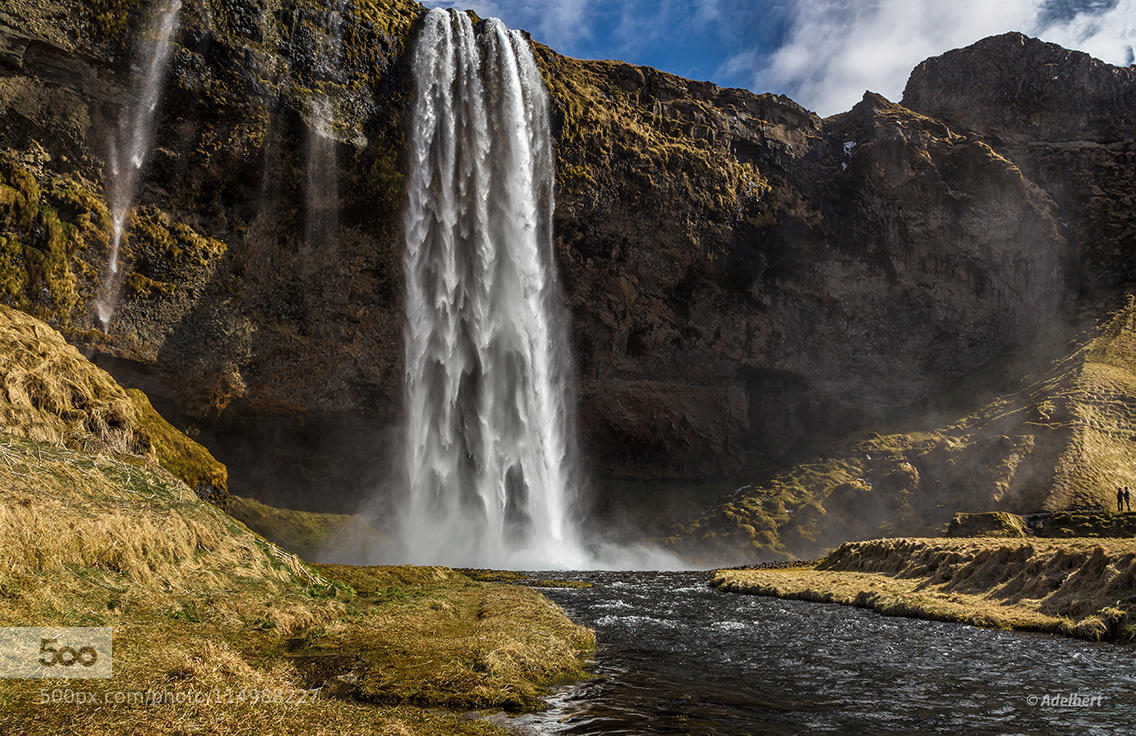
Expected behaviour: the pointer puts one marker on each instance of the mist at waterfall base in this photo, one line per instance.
(489, 474)
(130, 146)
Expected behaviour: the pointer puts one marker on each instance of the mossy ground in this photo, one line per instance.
(521, 578)
(307, 533)
(1084, 588)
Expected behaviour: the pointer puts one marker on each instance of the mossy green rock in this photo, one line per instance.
(181, 456)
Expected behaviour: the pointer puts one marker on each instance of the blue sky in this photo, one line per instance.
(822, 53)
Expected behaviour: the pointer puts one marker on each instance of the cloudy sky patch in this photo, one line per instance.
(822, 53)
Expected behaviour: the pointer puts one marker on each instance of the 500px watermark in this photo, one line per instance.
(252, 696)
(28, 652)
(1066, 700)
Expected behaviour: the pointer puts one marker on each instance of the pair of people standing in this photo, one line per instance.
(1123, 498)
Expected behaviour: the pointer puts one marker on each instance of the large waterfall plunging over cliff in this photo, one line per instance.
(132, 142)
(488, 439)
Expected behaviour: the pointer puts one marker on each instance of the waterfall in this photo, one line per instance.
(322, 222)
(488, 457)
(132, 142)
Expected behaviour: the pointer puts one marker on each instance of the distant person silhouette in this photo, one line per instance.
(1119, 499)
(1127, 498)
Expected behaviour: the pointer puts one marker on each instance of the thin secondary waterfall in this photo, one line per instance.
(322, 222)
(488, 456)
(132, 142)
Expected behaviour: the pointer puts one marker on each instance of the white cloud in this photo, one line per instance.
(834, 50)
(1109, 36)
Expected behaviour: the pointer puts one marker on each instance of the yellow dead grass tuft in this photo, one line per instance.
(50, 392)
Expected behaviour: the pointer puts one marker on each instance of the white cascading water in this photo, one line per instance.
(322, 223)
(488, 454)
(132, 142)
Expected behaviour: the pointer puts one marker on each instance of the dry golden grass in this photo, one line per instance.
(1081, 587)
(122, 520)
(94, 531)
(180, 658)
(200, 603)
(50, 392)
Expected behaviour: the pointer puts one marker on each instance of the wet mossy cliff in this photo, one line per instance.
(743, 275)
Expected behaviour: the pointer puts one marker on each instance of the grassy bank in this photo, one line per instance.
(1084, 588)
(99, 528)
(199, 603)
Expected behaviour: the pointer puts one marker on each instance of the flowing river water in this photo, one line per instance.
(677, 657)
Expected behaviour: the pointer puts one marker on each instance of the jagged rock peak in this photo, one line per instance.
(1053, 93)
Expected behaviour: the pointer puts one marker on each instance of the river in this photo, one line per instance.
(676, 657)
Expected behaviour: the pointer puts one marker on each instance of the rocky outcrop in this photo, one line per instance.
(757, 277)
(744, 277)
(1066, 119)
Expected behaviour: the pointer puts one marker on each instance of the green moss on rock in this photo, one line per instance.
(304, 532)
(37, 246)
(180, 456)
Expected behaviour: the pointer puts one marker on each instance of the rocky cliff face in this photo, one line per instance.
(282, 349)
(744, 276)
(1066, 119)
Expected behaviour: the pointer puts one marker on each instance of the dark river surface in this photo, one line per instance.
(676, 657)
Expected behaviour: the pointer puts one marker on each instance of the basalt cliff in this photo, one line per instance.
(750, 285)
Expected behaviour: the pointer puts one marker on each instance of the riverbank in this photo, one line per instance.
(1085, 588)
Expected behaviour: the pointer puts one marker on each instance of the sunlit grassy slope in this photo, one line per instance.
(1051, 425)
(50, 393)
(95, 531)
